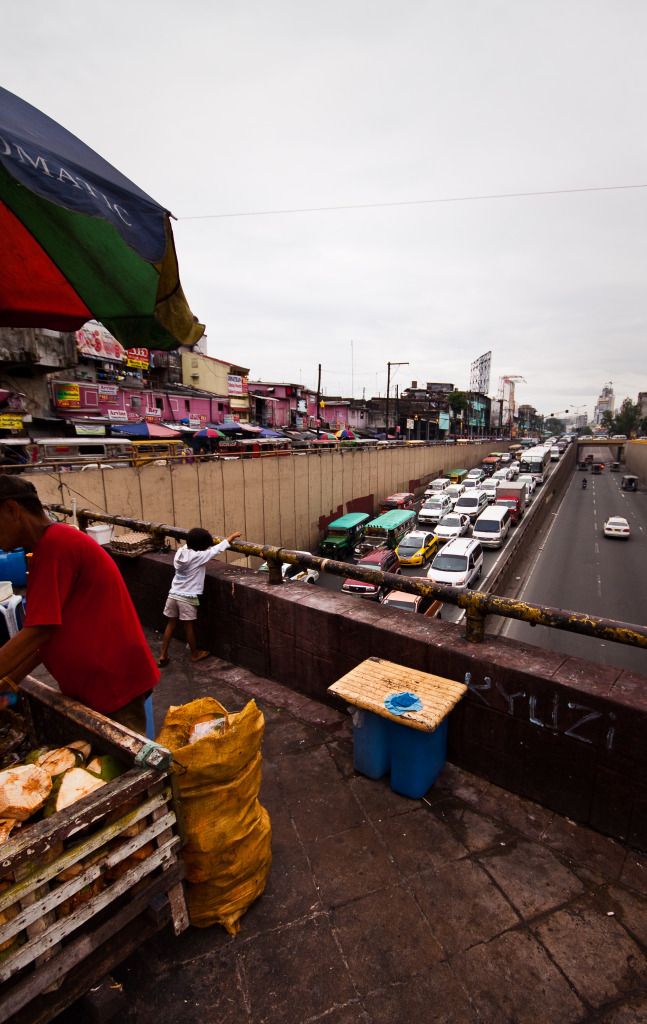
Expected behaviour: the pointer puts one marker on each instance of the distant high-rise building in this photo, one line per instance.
(642, 403)
(605, 403)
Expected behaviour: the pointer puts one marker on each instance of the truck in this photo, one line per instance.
(512, 493)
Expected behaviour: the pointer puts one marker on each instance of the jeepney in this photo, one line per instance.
(343, 534)
(457, 476)
(386, 531)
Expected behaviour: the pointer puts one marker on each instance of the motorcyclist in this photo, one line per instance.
(584, 484)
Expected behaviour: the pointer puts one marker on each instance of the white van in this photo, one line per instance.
(458, 564)
(438, 485)
(492, 526)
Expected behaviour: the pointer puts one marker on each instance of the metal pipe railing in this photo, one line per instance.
(477, 605)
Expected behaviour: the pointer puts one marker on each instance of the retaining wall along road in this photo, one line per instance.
(285, 501)
(565, 732)
(636, 460)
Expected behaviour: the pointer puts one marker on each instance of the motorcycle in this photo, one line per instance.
(584, 484)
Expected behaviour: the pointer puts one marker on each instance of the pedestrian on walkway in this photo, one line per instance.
(186, 589)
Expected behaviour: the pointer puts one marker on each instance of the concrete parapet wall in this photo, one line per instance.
(562, 731)
(285, 501)
(636, 460)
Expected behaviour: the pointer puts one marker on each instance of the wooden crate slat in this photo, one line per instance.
(43, 835)
(25, 954)
(63, 892)
(79, 949)
(37, 876)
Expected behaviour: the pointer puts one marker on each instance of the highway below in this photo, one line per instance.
(572, 565)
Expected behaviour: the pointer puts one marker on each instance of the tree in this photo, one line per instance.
(554, 425)
(627, 418)
(607, 421)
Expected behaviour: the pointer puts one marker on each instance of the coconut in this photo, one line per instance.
(23, 791)
(105, 767)
(73, 785)
(55, 762)
(7, 826)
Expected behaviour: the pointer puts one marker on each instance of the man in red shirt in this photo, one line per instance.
(80, 621)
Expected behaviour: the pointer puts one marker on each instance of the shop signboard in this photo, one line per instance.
(95, 341)
(9, 421)
(153, 415)
(89, 430)
(138, 358)
(236, 385)
(116, 414)
(196, 422)
(443, 420)
(108, 392)
(67, 396)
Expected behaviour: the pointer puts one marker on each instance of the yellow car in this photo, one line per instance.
(417, 548)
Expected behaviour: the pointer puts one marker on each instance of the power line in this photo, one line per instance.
(415, 202)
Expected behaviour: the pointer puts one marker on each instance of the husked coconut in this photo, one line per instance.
(75, 784)
(23, 791)
(7, 826)
(55, 762)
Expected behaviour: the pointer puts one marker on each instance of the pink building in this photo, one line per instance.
(86, 402)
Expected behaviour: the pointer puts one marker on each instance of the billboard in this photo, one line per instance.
(480, 374)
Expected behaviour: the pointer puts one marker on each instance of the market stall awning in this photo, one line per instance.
(144, 431)
(81, 241)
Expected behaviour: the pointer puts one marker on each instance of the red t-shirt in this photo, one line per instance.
(98, 653)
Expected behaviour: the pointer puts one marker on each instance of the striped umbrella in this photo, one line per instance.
(80, 241)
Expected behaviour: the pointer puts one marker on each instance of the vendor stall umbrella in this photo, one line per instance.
(209, 432)
(144, 431)
(79, 241)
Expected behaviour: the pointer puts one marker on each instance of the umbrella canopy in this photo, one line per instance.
(81, 241)
(144, 431)
(209, 432)
(266, 432)
(233, 427)
(345, 435)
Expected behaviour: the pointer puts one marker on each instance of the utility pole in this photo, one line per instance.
(318, 411)
(388, 386)
(352, 370)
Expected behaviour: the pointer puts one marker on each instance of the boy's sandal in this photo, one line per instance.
(163, 662)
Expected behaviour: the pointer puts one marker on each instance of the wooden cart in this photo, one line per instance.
(130, 885)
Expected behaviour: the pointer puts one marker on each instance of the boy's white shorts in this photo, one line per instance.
(176, 608)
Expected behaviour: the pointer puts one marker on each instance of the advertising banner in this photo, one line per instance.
(108, 392)
(443, 420)
(236, 385)
(95, 341)
(138, 358)
(67, 396)
(196, 422)
(9, 421)
(116, 414)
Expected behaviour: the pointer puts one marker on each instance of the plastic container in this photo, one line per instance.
(417, 758)
(12, 617)
(13, 567)
(101, 532)
(371, 750)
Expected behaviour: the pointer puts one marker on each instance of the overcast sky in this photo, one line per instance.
(221, 108)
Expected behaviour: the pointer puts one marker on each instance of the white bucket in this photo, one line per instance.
(101, 532)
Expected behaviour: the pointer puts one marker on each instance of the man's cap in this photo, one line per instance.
(15, 487)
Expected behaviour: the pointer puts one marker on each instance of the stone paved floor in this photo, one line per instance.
(469, 905)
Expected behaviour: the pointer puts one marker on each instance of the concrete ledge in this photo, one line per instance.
(562, 731)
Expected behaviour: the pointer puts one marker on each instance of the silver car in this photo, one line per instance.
(453, 525)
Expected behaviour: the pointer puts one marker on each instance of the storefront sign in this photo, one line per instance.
(95, 341)
(443, 420)
(9, 421)
(67, 396)
(108, 392)
(195, 422)
(153, 415)
(236, 385)
(116, 414)
(89, 430)
(138, 358)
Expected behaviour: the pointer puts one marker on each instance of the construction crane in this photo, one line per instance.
(507, 384)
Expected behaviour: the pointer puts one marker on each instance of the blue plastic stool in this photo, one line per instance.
(150, 721)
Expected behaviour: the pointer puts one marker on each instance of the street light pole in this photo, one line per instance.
(388, 386)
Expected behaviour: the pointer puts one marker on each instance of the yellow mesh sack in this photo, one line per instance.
(228, 833)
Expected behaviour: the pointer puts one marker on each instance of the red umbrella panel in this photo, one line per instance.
(81, 241)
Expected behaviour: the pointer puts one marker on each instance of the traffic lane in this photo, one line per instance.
(577, 568)
(450, 613)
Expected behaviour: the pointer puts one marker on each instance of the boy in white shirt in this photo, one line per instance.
(188, 584)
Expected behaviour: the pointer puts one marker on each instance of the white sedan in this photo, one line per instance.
(452, 525)
(294, 573)
(618, 527)
(530, 482)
